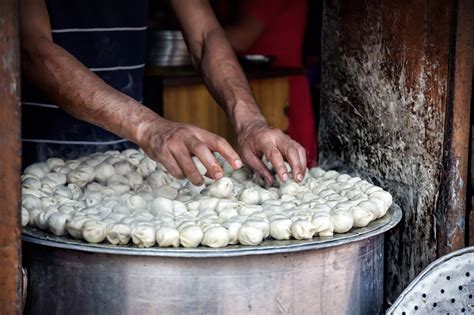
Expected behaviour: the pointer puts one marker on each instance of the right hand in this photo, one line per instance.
(173, 145)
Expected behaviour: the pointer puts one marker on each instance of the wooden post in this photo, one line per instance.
(388, 114)
(10, 159)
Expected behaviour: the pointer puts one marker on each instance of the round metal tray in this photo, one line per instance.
(379, 226)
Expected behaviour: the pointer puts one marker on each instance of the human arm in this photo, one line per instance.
(78, 91)
(214, 58)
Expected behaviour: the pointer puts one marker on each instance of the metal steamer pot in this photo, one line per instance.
(334, 275)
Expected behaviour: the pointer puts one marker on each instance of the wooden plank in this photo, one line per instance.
(10, 162)
(193, 104)
(385, 77)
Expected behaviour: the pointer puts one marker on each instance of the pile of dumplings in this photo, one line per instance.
(127, 198)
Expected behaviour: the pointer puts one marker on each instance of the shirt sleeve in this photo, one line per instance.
(265, 10)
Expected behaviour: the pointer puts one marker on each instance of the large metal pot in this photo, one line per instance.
(338, 275)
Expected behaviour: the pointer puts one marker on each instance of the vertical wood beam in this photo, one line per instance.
(10, 159)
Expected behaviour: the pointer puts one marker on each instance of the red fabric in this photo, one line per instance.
(285, 22)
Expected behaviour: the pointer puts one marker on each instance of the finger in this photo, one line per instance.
(256, 164)
(169, 162)
(202, 152)
(293, 157)
(304, 161)
(186, 163)
(274, 156)
(221, 145)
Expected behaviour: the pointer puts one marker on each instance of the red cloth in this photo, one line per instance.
(285, 22)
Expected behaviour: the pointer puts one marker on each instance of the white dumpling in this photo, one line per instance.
(36, 169)
(122, 167)
(290, 188)
(135, 180)
(103, 171)
(215, 236)
(323, 224)
(280, 229)
(233, 228)
(208, 204)
(228, 213)
(93, 231)
(261, 224)
(54, 179)
(143, 236)
(343, 221)
(248, 210)
(362, 217)
(78, 177)
(191, 236)
(167, 236)
(33, 213)
(136, 202)
(57, 223)
(250, 196)
(241, 175)
(146, 166)
(30, 202)
(317, 172)
(25, 217)
(41, 220)
(382, 195)
(160, 204)
(373, 206)
(303, 230)
(166, 191)
(158, 178)
(221, 188)
(179, 208)
(34, 183)
(53, 162)
(250, 235)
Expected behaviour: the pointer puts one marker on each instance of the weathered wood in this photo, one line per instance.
(451, 212)
(384, 100)
(10, 153)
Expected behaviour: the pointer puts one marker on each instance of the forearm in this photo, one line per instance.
(80, 92)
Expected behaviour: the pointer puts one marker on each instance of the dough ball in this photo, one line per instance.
(216, 236)
(36, 169)
(208, 204)
(250, 196)
(226, 204)
(41, 220)
(374, 206)
(191, 236)
(317, 172)
(146, 166)
(221, 188)
(241, 175)
(57, 223)
(143, 236)
(362, 217)
(323, 224)
(54, 179)
(103, 171)
(179, 208)
(303, 230)
(342, 220)
(261, 224)
(248, 210)
(78, 177)
(233, 228)
(30, 202)
(228, 213)
(135, 180)
(167, 236)
(31, 183)
(157, 179)
(280, 229)
(290, 188)
(53, 162)
(33, 213)
(160, 204)
(250, 235)
(122, 167)
(93, 231)
(385, 196)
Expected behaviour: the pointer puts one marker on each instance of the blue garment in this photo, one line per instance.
(109, 38)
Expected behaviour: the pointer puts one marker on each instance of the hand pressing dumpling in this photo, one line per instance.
(303, 230)
(93, 231)
(362, 217)
(221, 188)
(143, 236)
(57, 223)
(280, 229)
(25, 217)
(323, 224)
(343, 221)
(250, 235)
(215, 236)
(167, 236)
(191, 236)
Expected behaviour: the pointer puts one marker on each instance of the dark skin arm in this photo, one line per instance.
(214, 58)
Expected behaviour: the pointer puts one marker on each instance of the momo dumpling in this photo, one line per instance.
(233, 228)
(221, 188)
(57, 223)
(122, 167)
(157, 179)
(167, 236)
(103, 171)
(362, 216)
(94, 231)
(136, 202)
(215, 236)
(280, 229)
(41, 220)
(191, 236)
(25, 217)
(303, 230)
(135, 180)
(166, 191)
(261, 224)
(250, 235)
(343, 221)
(143, 236)
(290, 188)
(323, 224)
(250, 196)
(160, 204)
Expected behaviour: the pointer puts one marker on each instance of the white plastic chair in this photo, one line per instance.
(446, 286)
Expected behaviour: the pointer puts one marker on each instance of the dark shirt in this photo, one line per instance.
(108, 37)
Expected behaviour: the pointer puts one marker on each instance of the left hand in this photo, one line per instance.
(258, 139)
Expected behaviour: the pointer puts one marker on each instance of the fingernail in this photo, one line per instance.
(284, 177)
(238, 163)
(299, 177)
(219, 175)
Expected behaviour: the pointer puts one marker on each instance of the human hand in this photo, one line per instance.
(173, 145)
(258, 139)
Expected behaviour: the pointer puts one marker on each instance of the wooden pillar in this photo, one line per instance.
(10, 159)
(390, 108)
